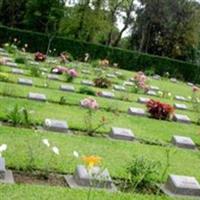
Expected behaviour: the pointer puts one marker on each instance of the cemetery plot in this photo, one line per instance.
(56, 125)
(122, 134)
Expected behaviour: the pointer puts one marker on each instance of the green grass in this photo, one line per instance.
(116, 154)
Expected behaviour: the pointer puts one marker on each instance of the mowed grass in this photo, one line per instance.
(143, 127)
(25, 145)
(37, 192)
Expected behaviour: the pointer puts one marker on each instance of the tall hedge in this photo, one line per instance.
(126, 59)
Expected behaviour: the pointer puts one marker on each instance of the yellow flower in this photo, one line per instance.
(91, 161)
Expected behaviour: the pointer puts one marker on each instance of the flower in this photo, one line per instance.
(92, 161)
(72, 72)
(89, 103)
(195, 89)
(26, 45)
(3, 147)
(46, 142)
(55, 150)
(76, 154)
(140, 80)
(15, 39)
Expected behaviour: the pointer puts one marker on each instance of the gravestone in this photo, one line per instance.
(8, 59)
(182, 186)
(24, 81)
(181, 118)
(37, 96)
(4, 54)
(53, 77)
(154, 88)
(107, 94)
(128, 83)
(136, 111)
(85, 71)
(11, 64)
(118, 73)
(97, 178)
(68, 88)
(180, 106)
(156, 77)
(180, 98)
(6, 176)
(34, 63)
(143, 100)
(110, 75)
(119, 87)
(56, 125)
(183, 142)
(87, 82)
(131, 79)
(17, 71)
(173, 80)
(2, 50)
(122, 134)
(151, 93)
(44, 69)
(190, 84)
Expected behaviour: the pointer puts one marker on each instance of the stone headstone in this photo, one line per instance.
(44, 69)
(122, 134)
(85, 71)
(131, 79)
(56, 125)
(119, 87)
(110, 75)
(118, 73)
(11, 64)
(151, 93)
(2, 50)
(53, 77)
(24, 81)
(17, 71)
(37, 96)
(34, 63)
(180, 106)
(107, 94)
(180, 98)
(68, 88)
(181, 118)
(6, 176)
(190, 84)
(98, 178)
(87, 82)
(4, 54)
(182, 186)
(136, 111)
(156, 77)
(143, 100)
(154, 88)
(128, 83)
(183, 142)
(173, 80)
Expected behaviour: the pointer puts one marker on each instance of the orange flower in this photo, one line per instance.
(91, 161)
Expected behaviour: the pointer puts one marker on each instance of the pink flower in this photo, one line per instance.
(195, 89)
(89, 103)
(72, 72)
(60, 69)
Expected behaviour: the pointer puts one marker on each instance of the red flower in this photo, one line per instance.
(40, 57)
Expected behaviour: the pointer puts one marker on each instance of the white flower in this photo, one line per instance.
(46, 142)
(48, 122)
(76, 154)
(3, 147)
(55, 150)
(169, 94)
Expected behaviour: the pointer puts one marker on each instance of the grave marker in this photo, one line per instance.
(24, 81)
(181, 118)
(56, 125)
(107, 94)
(68, 88)
(122, 134)
(136, 111)
(37, 96)
(183, 142)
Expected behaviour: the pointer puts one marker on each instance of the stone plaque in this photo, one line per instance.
(156, 77)
(68, 88)
(106, 94)
(11, 64)
(37, 96)
(151, 93)
(87, 82)
(173, 80)
(180, 106)
(154, 88)
(181, 118)
(180, 98)
(143, 100)
(128, 83)
(119, 87)
(53, 77)
(24, 81)
(110, 75)
(122, 134)
(183, 142)
(56, 125)
(136, 111)
(17, 71)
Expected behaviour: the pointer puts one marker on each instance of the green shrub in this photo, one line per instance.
(87, 90)
(102, 82)
(20, 60)
(4, 77)
(35, 71)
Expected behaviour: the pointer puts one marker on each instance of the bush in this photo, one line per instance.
(102, 82)
(35, 71)
(127, 59)
(142, 173)
(87, 90)
(159, 110)
(20, 60)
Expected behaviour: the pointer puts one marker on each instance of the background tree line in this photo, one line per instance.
(162, 27)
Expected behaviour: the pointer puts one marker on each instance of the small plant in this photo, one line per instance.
(40, 57)
(159, 110)
(142, 173)
(10, 48)
(21, 60)
(95, 63)
(62, 100)
(35, 71)
(4, 77)
(102, 82)
(66, 57)
(71, 74)
(87, 90)
(141, 81)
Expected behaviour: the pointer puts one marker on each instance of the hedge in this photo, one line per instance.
(126, 59)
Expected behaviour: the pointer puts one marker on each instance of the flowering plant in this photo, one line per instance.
(159, 110)
(141, 81)
(102, 82)
(59, 70)
(71, 74)
(40, 57)
(90, 103)
(104, 62)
